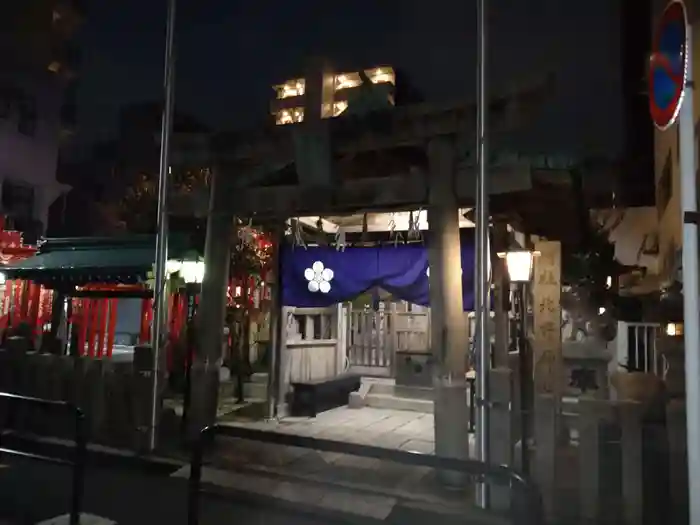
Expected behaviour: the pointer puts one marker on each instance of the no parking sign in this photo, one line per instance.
(668, 65)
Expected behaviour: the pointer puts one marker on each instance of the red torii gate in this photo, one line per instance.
(22, 301)
(91, 316)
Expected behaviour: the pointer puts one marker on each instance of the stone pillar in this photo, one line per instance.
(547, 363)
(209, 321)
(501, 431)
(544, 467)
(591, 413)
(278, 375)
(631, 413)
(449, 341)
(678, 461)
(143, 390)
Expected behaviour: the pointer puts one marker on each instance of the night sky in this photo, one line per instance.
(231, 51)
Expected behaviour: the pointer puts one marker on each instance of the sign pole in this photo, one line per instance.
(691, 307)
(160, 299)
(671, 99)
(482, 304)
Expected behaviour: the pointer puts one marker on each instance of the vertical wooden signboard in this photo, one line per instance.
(547, 353)
(547, 367)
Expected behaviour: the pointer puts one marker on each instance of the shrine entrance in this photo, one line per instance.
(356, 295)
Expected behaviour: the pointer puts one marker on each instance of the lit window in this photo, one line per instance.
(347, 80)
(674, 329)
(290, 116)
(381, 75)
(291, 88)
(55, 66)
(339, 107)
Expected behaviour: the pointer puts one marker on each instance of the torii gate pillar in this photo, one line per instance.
(206, 365)
(448, 328)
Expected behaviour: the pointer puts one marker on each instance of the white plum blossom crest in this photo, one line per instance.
(319, 278)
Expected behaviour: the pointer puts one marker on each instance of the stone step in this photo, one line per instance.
(227, 389)
(414, 392)
(255, 390)
(397, 403)
(380, 386)
(389, 388)
(259, 377)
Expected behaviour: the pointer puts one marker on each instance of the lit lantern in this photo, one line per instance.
(520, 264)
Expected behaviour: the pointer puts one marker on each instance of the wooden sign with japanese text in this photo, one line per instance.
(546, 291)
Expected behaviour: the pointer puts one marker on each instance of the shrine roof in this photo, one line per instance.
(78, 261)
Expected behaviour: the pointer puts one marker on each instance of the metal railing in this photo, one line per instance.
(79, 454)
(637, 347)
(526, 502)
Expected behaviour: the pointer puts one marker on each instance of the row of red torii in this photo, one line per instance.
(91, 322)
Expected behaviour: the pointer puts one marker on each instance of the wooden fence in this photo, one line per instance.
(374, 337)
(314, 343)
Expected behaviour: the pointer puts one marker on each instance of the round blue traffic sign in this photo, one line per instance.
(668, 67)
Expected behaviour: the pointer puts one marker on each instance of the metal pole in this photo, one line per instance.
(690, 285)
(274, 359)
(525, 379)
(160, 300)
(482, 305)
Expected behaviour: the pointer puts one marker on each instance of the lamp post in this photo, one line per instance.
(520, 264)
(192, 272)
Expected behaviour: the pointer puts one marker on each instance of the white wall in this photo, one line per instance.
(33, 159)
(630, 233)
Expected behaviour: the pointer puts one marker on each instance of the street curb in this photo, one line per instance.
(299, 508)
(98, 455)
(403, 513)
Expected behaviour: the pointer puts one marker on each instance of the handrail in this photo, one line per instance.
(472, 404)
(79, 455)
(526, 508)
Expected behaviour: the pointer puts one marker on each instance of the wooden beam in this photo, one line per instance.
(403, 126)
(407, 191)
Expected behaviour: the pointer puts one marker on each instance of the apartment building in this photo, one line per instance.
(37, 106)
(326, 93)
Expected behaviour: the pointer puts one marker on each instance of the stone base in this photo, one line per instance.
(384, 393)
(85, 519)
(414, 369)
(256, 388)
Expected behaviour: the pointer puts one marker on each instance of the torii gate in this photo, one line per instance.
(243, 164)
(20, 300)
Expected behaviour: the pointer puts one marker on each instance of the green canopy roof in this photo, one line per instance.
(77, 261)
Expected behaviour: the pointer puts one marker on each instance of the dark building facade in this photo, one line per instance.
(37, 107)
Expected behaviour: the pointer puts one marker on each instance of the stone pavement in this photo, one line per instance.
(366, 487)
(394, 429)
(33, 492)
